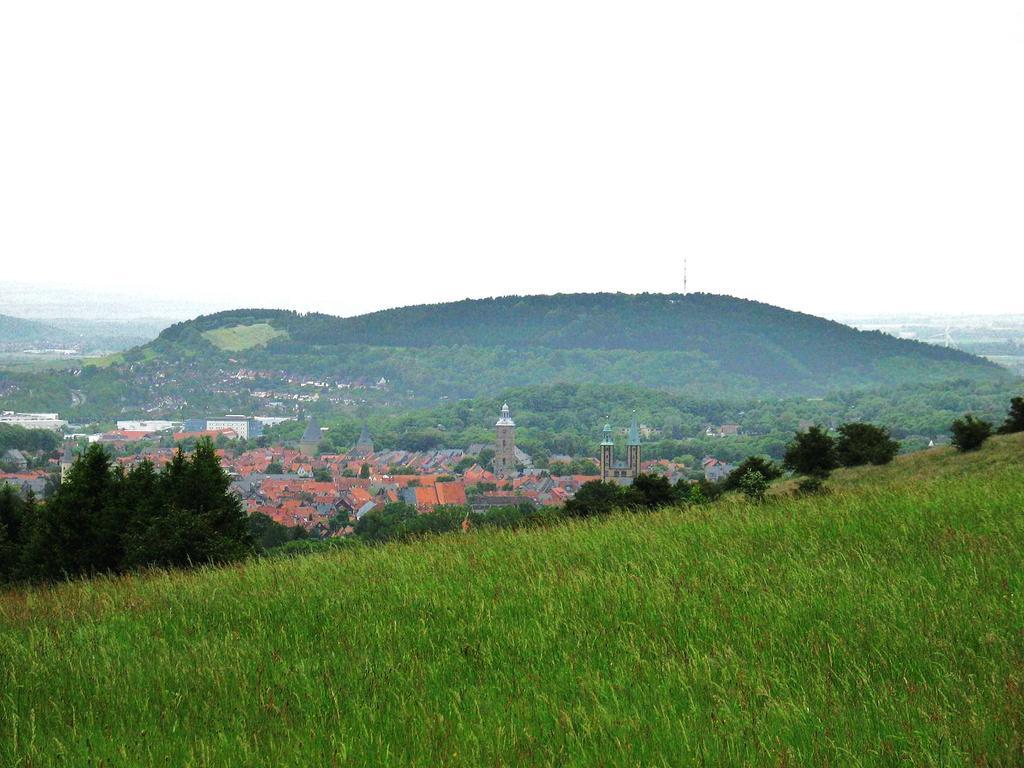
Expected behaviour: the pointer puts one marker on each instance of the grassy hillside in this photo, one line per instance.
(878, 625)
(237, 338)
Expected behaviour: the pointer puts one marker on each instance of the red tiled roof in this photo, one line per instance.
(451, 493)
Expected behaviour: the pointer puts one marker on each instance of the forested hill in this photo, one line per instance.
(682, 337)
(17, 329)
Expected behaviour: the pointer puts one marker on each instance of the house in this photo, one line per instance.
(23, 482)
(477, 474)
(715, 469)
(15, 460)
(723, 430)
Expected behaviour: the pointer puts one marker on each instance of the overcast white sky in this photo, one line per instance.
(345, 156)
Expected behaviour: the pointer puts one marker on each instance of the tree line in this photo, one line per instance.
(107, 519)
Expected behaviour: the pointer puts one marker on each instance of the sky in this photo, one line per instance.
(835, 158)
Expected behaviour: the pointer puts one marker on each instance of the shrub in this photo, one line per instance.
(969, 433)
(754, 485)
(812, 453)
(860, 444)
(810, 485)
(1015, 419)
(767, 468)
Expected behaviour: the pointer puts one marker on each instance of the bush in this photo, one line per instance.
(1015, 419)
(767, 468)
(812, 453)
(860, 444)
(810, 485)
(969, 433)
(754, 485)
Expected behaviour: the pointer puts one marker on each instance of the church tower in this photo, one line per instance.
(633, 448)
(607, 453)
(67, 461)
(504, 461)
(364, 445)
(309, 444)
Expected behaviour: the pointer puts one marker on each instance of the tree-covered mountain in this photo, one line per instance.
(698, 347)
(670, 341)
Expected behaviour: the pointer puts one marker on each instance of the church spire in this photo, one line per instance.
(634, 431)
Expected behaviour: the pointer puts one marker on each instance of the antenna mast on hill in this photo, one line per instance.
(684, 276)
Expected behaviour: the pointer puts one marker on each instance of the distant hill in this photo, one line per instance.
(699, 348)
(696, 343)
(19, 330)
(84, 335)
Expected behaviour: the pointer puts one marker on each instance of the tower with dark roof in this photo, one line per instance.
(67, 461)
(633, 448)
(310, 442)
(364, 445)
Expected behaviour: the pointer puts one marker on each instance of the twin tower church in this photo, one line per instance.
(621, 472)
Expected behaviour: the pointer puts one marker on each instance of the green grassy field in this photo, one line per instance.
(880, 625)
(241, 337)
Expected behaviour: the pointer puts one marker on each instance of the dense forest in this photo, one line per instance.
(733, 337)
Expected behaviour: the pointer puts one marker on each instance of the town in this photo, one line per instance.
(300, 484)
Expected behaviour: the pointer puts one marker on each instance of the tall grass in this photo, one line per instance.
(881, 624)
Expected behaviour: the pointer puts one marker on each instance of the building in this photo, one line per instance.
(48, 421)
(14, 459)
(364, 445)
(504, 461)
(147, 425)
(716, 469)
(309, 444)
(623, 473)
(245, 427)
(67, 460)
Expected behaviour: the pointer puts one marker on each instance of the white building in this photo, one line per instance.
(155, 425)
(33, 420)
(271, 421)
(243, 426)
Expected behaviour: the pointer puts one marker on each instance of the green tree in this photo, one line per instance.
(754, 485)
(767, 468)
(384, 524)
(268, 533)
(595, 498)
(201, 521)
(464, 463)
(12, 524)
(78, 531)
(969, 433)
(652, 491)
(1015, 419)
(812, 453)
(322, 475)
(275, 468)
(861, 443)
(364, 471)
